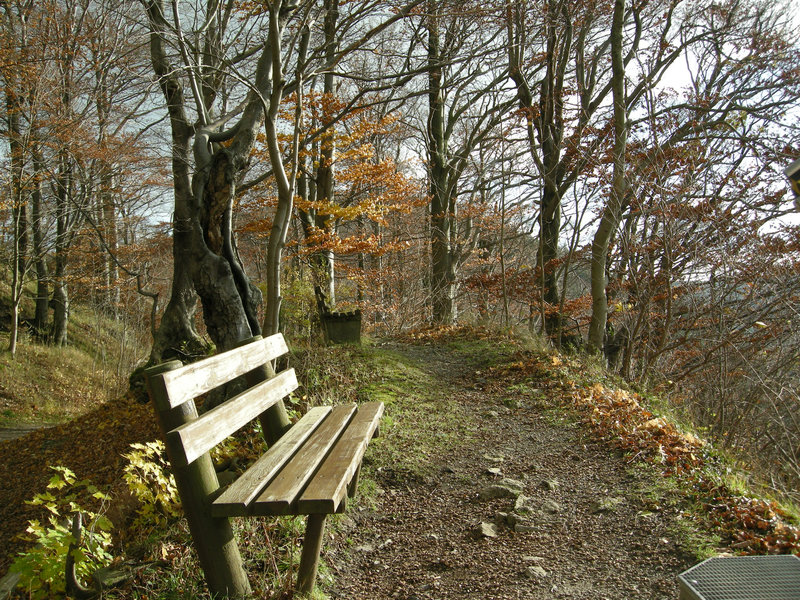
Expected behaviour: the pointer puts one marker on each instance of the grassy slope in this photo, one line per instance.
(46, 385)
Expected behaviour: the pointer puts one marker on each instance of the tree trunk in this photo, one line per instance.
(109, 221)
(442, 279)
(205, 259)
(60, 300)
(18, 215)
(545, 122)
(39, 253)
(326, 173)
(62, 242)
(611, 212)
(284, 182)
(550, 227)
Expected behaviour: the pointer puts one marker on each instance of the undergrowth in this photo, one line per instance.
(721, 509)
(675, 469)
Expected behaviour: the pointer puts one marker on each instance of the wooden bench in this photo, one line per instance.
(309, 469)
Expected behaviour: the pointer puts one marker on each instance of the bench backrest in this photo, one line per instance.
(178, 387)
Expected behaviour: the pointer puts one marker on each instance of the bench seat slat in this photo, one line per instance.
(191, 440)
(195, 379)
(235, 501)
(280, 496)
(327, 489)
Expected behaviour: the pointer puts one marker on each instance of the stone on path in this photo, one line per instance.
(505, 488)
(536, 572)
(486, 530)
(607, 504)
(551, 506)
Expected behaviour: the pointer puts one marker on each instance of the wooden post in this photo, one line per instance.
(309, 559)
(213, 537)
(274, 420)
(353, 486)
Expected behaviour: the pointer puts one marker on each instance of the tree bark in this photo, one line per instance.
(205, 259)
(326, 174)
(442, 272)
(611, 212)
(284, 182)
(18, 212)
(39, 253)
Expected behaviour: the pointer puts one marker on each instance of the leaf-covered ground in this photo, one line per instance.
(617, 500)
(91, 446)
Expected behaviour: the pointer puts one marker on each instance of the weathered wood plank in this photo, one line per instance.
(329, 485)
(196, 438)
(197, 378)
(280, 496)
(235, 501)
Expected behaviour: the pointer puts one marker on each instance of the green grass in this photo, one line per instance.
(657, 494)
(46, 384)
(422, 419)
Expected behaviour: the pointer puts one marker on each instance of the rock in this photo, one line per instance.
(505, 488)
(524, 526)
(551, 507)
(486, 530)
(607, 504)
(531, 558)
(345, 522)
(365, 548)
(523, 505)
(550, 484)
(494, 459)
(494, 471)
(536, 572)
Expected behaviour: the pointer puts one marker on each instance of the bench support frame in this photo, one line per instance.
(213, 537)
(309, 559)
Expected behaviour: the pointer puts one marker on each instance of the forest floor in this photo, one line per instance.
(499, 474)
(591, 525)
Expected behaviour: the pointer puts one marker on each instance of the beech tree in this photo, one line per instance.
(559, 57)
(220, 68)
(69, 75)
(465, 104)
(611, 212)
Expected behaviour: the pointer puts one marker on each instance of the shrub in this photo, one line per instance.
(42, 567)
(149, 479)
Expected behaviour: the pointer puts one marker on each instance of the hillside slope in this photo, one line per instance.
(501, 472)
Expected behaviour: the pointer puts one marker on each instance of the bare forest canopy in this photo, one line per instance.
(609, 174)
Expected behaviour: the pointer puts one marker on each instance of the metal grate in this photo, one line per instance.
(743, 578)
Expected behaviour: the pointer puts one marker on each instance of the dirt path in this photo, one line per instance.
(13, 432)
(594, 530)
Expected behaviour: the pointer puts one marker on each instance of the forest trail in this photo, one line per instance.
(594, 529)
(12, 432)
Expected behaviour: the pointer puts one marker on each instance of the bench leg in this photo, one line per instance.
(309, 559)
(353, 486)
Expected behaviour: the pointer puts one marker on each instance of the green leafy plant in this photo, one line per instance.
(42, 567)
(149, 479)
